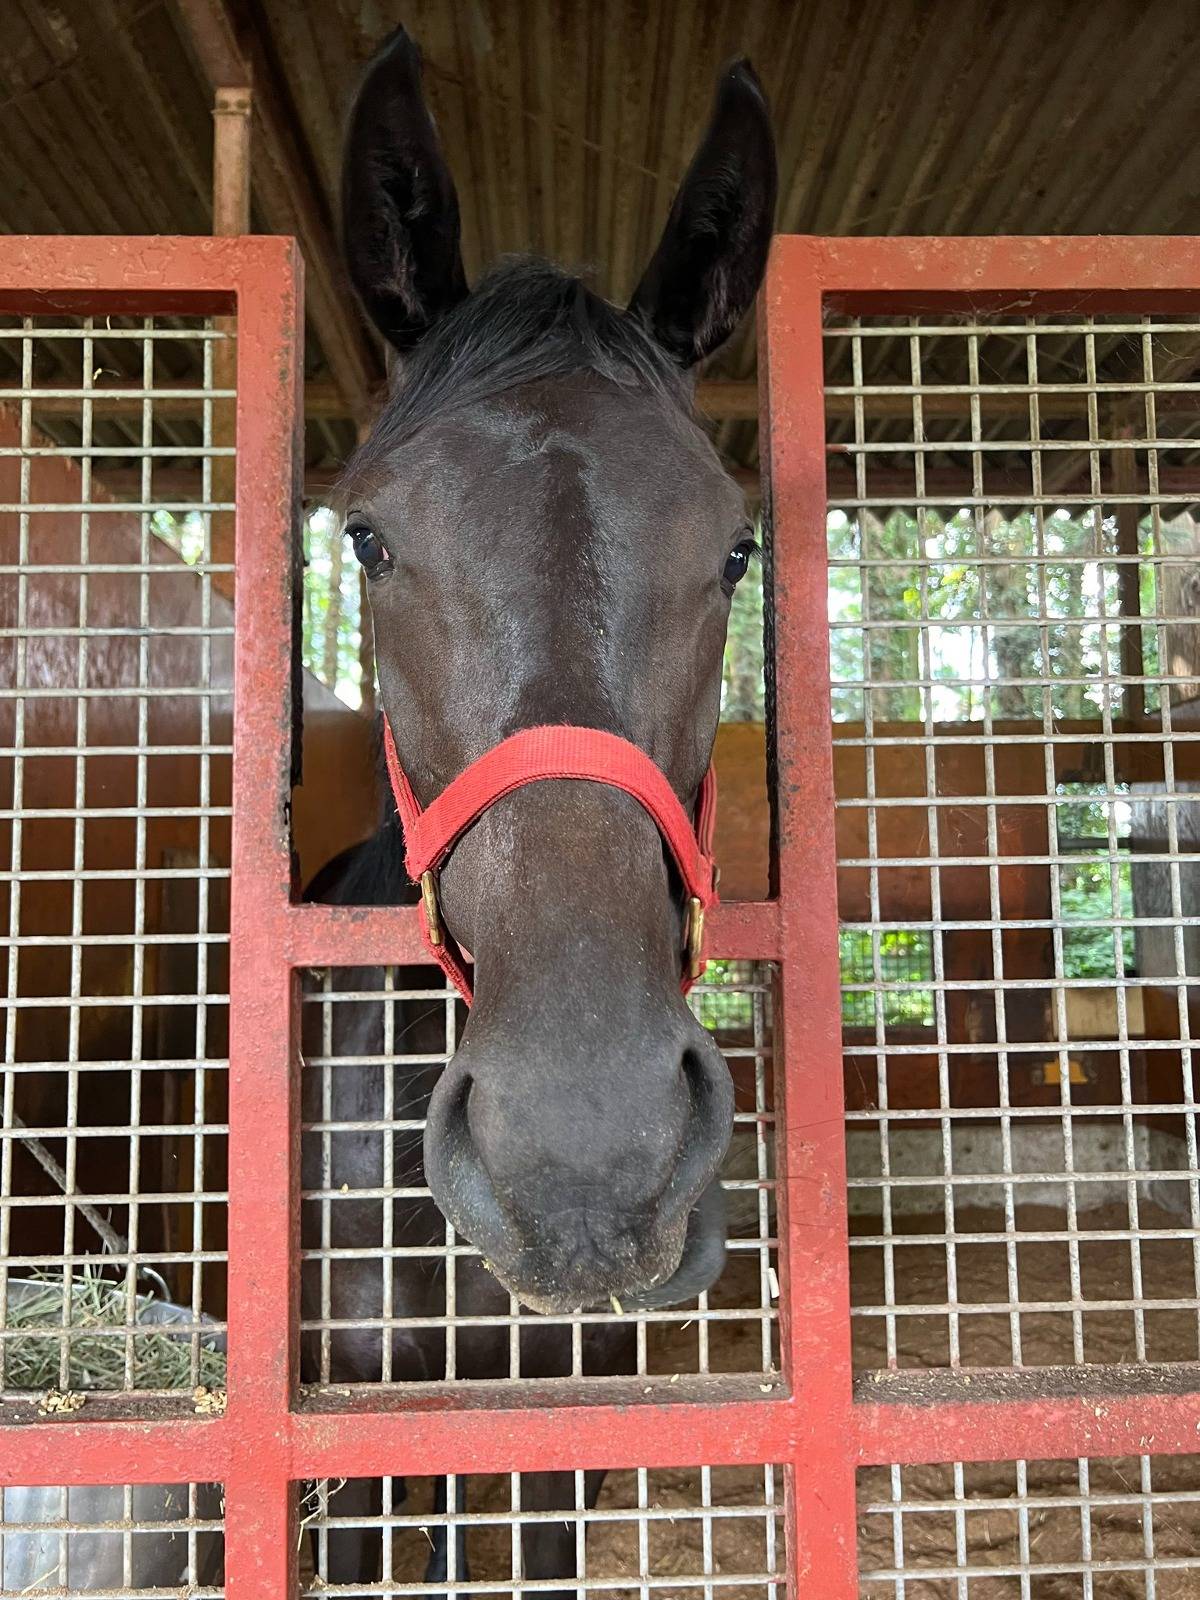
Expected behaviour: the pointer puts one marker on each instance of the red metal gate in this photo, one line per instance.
(821, 1423)
(1007, 425)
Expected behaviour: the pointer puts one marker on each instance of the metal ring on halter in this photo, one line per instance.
(694, 943)
(429, 899)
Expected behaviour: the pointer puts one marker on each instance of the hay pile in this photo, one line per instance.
(96, 1341)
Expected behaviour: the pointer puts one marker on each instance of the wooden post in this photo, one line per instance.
(231, 160)
(231, 215)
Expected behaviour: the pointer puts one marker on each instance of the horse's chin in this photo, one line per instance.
(702, 1260)
(699, 1264)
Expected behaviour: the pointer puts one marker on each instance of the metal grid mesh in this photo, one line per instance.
(716, 1530)
(1014, 591)
(115, 711)
(1037, 1530)
(378, 1255)
(115, 1539)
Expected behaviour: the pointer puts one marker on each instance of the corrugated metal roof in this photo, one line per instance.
(569, 123)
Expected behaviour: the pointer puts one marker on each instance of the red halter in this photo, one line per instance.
(529, 757)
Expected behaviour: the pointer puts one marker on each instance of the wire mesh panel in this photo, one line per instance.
(115, 730)
(1012, 652)
(717, 1530)
(391, 1294)
(112, 1538)
(1098, 1529)
(1014, 656)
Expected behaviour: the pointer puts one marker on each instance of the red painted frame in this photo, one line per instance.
(269, 1437)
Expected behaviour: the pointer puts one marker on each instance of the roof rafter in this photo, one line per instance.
(286, 191)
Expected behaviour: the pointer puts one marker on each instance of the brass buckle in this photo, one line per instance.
(695, 937)
(433, 921)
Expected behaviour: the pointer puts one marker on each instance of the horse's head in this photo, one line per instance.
(550, 538)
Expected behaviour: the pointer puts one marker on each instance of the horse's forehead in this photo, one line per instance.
(624, 441)
(592, 410)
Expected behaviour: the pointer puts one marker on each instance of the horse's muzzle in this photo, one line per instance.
(578, 1199)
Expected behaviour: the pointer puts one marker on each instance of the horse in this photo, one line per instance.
(548, 537)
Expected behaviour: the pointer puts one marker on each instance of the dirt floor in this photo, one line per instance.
(1045, 1337)
(988, 1526)
(990, 1531)
(1053, 1544)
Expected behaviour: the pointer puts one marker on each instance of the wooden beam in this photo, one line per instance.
(1002, 487)
(899, 407)
(728, 399)
(719, 399)
(214, 40)
(1120, 416)
(322, 402)
(286, 189)
(180, 484)
(177, 483)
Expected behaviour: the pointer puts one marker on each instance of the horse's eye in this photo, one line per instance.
(737, 561)
(369, 549)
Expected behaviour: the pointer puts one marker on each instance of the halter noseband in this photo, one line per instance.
(531, 756)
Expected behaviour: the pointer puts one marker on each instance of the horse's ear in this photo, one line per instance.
(713, 252)
(400, 224)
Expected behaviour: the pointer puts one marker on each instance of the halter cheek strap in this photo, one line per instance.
(533, 756)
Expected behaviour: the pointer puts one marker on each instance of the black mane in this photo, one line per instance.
(372, 872)
(526, 320)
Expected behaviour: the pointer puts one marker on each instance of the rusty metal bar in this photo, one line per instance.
(812, 1194)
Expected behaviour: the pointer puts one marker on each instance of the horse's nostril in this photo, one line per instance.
(710, 1096)
(462, 1094)
(698, 1077)
(452, 1097)
(455, 1166)
(710, 1088)
(449, 1140)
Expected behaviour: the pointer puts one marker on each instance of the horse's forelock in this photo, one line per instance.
(525, 321)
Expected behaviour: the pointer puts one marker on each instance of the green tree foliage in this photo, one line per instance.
(967, 586)
(332, 642)
(891, 956)
(1096, 885)
(331, 639)
(742, 695)
(950, 618)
